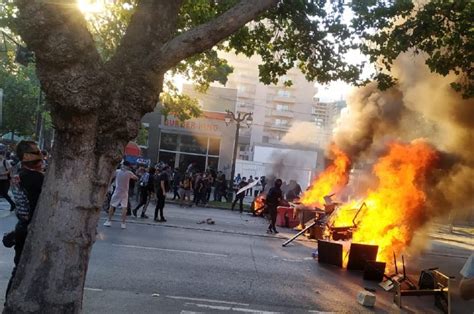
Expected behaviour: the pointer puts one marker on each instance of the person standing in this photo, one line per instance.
(5, 176)
(120, 195)
(258, 187)
(146, 188)
(240, 197)
(250, 191)
(161, 187)
(274, 196)
(30, 178)
(176, 181)
(185, 188)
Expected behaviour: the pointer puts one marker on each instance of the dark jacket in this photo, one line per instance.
(274, 196)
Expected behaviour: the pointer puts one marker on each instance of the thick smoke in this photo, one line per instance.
(422, 104)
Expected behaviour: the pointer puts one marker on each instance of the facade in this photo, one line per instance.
(207, 142)
(326, 115)
(275, 107)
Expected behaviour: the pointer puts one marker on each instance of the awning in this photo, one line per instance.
(132, 149)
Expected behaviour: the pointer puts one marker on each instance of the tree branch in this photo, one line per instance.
(205, 36)
(152, 25)
(57, 32)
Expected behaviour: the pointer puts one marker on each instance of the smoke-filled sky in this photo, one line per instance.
(422, 104)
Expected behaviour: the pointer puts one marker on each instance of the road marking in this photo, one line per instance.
(169, 250)
(228, 308)
(93, 289)
(205, 300)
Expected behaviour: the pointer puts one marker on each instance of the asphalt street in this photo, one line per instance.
(186, 266)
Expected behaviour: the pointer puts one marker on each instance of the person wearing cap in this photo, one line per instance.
(5, 176)
(30, 178)
(120, 195)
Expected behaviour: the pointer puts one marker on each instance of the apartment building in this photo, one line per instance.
(325, 116)
(275, 107)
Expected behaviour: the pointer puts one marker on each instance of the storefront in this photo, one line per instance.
(206, 142)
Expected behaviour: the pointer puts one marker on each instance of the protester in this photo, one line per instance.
(198, 188)
(146, 188)
(30, 180)
(161, 187)
(258, 187)
(176, 179)
(123, 176)
(263, 181)
(240, 196)
(237, 179)
(274, 196)
(208, 183)
(250, 181)
(294, 191)
(5, 176)
(185, 188)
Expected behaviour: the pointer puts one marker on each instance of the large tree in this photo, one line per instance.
(97, 103)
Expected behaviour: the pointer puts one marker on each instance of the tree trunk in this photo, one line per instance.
(53, 265)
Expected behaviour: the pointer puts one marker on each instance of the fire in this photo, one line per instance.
(331, 180)
(396, 207)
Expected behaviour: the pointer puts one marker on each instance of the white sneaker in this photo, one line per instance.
(107, 223)
(123, 226)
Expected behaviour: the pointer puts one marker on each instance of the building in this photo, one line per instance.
(205, 141)
(275, 107)
(326, 115)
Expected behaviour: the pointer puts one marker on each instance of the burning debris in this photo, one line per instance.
(418, 136)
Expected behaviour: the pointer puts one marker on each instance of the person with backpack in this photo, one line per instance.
(29, 183)
(5, 176)
(162, 186)
(274, 196)
(146, 187)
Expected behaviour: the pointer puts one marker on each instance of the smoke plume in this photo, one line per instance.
(422, 104)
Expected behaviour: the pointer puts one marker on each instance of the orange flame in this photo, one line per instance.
(396, 207)
(331, 180)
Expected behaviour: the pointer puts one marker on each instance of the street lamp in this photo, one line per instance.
(239, 118)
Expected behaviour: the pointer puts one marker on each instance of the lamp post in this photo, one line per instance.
(238, 119)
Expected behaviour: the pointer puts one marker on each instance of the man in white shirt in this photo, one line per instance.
(120, 195)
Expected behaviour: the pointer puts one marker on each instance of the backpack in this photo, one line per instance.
(22, 209)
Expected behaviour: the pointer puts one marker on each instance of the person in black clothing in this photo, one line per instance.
(31, 180)
(146, 187)
(177, 178)
(161, 187)
(240, 197)
(5, 173)
(274, 196)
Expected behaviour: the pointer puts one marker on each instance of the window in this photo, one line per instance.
(282, 107)
(281, 122)
(169, 141)
(214, 146)
(193, 144)
(284, 93)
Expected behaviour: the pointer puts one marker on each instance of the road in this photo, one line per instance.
(183, 266)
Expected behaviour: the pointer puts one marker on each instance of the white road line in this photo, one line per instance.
(205, 300)
(169, 250)
(93, 289)
(229, 308)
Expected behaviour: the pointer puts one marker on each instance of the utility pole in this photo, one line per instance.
(238, 119)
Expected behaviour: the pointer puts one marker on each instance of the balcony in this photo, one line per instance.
(284, 98)
(282, 113)
(277, 127)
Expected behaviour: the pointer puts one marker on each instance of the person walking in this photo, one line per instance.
(274, 196)
(176, 180)
(5, 176)
(146, 188)
(161, 187)
(240, 197)
(30, 178)
(120, 195)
